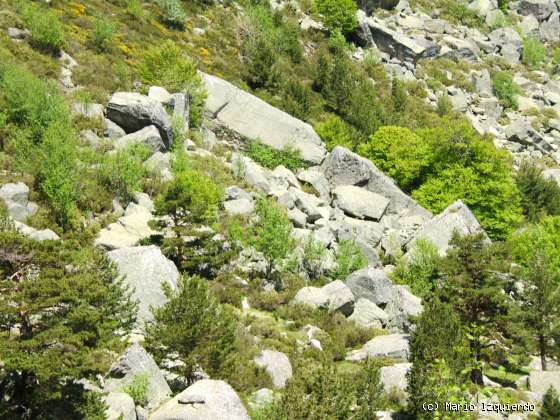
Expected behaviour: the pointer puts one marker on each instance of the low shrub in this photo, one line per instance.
(539, 196)
(138, 389)
(271, 158)
(349, 258)
(167, 66)
(335, 132)
(338, 15)
(534, 52)
(506, 89)
(46, 29)
(103, 35)
(173, 12)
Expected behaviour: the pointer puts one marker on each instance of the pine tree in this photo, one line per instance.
(539, 310)
(550, 405)
(60, 310)
(437, 346)
(476, 293)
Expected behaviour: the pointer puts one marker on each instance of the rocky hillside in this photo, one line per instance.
(303, 209)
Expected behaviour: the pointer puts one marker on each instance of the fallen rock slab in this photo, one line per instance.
(393, 346)
(359, 202)
(334, 296)
(371, 284)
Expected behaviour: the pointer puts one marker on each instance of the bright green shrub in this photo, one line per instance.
(349, 258)
(556, 57)
(193, 324)
(335, 132)
(103, 35)
(169, 67)
(47, 32)
(338, 15)
(135, 9)
(173, 12)
(399, 153)
(534, 52)
(296, 98)
(506, 89)
(123, 172)
(420, 270)
(271, 158)
(539, 196)
(314, 253)
(138, 389)
(550, 405)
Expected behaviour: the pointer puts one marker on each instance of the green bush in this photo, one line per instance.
(534, 52)
(296, 98)
(138, 389)
(420, 270)
(169, 67)
(103, 35)
(260, 63)
(134, 8)
(550, 406)
(539, 196)
(271, 158)
(314, 253)
(335, 132)
(193, 324)
(173, 12)
(506, 89)
(47, 32)
(349, 258)
(123, 172)
(399, 153)
(338, 15)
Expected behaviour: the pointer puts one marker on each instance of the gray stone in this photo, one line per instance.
(459, 49)
(253, 174)
(220, 402)
(133, 111)
(482, 7)
(16, 199)
(38, 235)
(238, 207)
(298, 218)
(492, 108)
(149, 136)
(541, 9)
(127, 230)
(236, 193)
(88, 110)
(261, 398)
(133, 362)
(160, 94)
(160, 163)
(394, 377)
(359, 202)
(366, 231)
(401, 306)
(529, 25)
(372, 284)
(112, 130)
(368, 314)
(552, 174)
(18, 34)
(495, 18)
(393, 346)
(317, 180)
(209, 139)
(332, 296)
(522, 132)
(342, 167)
(309, 204)
(120, 406)
(483, 84)
(540, 381)
(439, 230)
(145, 269)
(181, 109)
(277, 365)
(397, 44)
(550, 29)
(253, 118)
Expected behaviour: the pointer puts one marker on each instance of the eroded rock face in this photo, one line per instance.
(133, 362)
(204, 400)
(277, 365)
(253, 118)
(144, 269)
(133, 111)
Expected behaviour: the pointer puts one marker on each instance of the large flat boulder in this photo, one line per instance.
(16, 199)
(343, 167)
(133, 111)
(145, 269)
(359, 202)
(367, 314)
(277, 365)
(540, 381)
(204, 400)
(148, 136)
(439, 230)
(253, 118)
(541, 9)
(371, 284)
(334, 296)
(120, 406)
(393, 346)
(133, 362)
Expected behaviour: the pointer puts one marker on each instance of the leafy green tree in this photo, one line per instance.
(188, 201)
(338, 15)
(271, 234)
(476, 293)
(538, 269)
(439, 357)
(195, 325)
(420, 270)
(550, 406)
(539, 196)
(61, 312)
(167, 65)
(400, 154)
